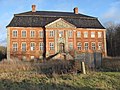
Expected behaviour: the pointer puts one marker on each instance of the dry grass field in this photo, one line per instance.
(18, 75)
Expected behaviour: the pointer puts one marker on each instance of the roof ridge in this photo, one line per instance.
(58, 16)
(52, 13)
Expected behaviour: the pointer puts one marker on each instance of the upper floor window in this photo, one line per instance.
(93, 45)
(32, 46)
(41, 34)
(70, 45)
(78, 34)
(15, 47)
(99, 45)
(85, 34)
(92, 34)
(99, 34)
(23, 46)
(86, 46)
(61, 33)
(15, 33)
(32, 34)
(51, 44)
(79, 46)
(70, 33)
(51, 33)
(23, 33)
(41, 46)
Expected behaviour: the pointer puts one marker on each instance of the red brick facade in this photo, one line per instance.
(55, 36)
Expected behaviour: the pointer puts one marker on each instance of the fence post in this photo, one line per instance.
(83, 67)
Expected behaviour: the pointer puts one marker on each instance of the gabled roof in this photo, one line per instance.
(42, 18)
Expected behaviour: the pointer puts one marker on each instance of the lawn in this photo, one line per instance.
(29, 80)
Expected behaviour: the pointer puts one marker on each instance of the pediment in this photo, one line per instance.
(60, 23)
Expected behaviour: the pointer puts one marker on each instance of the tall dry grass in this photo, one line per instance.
(47, 67)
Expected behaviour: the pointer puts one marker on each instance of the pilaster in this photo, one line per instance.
(8, 43)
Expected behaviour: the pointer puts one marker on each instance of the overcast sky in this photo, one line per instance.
(105, 10)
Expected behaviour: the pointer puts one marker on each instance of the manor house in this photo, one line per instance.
(41, 34)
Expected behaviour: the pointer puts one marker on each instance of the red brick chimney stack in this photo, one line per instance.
(76, 10)
(33, 8)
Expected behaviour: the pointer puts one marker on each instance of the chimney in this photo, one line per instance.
(33, 8)
(75, 10)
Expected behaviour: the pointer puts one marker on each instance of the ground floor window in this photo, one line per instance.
(51, 45)
(23, 46)
(79, 46)
(15, 47)
(32, 57)
(32, 46)
(41, 46)
(86, 46)
(99, 45)
(93, 46)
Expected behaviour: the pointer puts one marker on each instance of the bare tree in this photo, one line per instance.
(113, 39)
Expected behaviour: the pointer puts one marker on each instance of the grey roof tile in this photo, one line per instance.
(42, 18)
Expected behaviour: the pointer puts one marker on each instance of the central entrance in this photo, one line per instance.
(62, 47)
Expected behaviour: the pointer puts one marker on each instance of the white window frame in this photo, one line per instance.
(15, 34)
(25, 34)
(41, 34)
(86, 34)
(99, 45)
(24, 49)
(78, 34)
(93, 46)
(99, 34)
(16, 47)
(51, 45)
(79, 46)
(92, 34)
(51, 33)
(86, 47)
(70, 33)
(32, 48)
(41, 46)
(31, 33)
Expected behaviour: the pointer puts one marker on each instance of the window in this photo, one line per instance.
(99, 45)
(51, 46)
(15, 33)
(41, 46)
(32, 57)
(92, 34)
(78, 34)
(99, 34)
(23, 33)
(70, 32)
(85, 34)
(15, 46)
(41, 34)
(32, 46)
(23, 46)
(61, 33)
(86, 46)
(32, 34)
(93, 45)
(79, 46)
(51, 33)
(70, 45)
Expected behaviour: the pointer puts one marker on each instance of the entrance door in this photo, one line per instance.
(61, 47)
